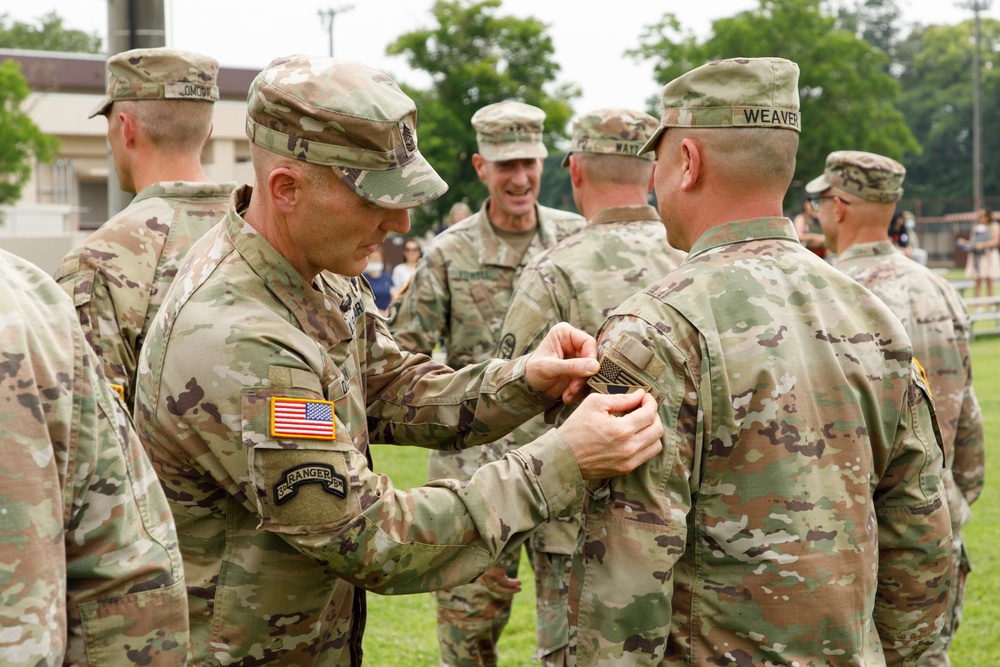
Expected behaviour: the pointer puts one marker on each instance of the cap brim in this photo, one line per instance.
(414, 184)
(515, 150)
(565, 160)
(101, 108)
(817, 185)
(651, 144)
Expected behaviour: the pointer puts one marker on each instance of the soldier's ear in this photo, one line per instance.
(480, 166)
(691, 160)
(575, 171)
(284, 188)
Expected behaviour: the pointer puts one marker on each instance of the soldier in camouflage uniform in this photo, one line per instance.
(268, 371)
(580, 281)
(795, 515)
(159, 111)
(92, 573)
(460, 292)
(855, 198)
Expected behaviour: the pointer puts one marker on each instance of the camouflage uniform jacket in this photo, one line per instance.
(461, 288)
(272, 560)
(795, 514)
(938, 325)
(120, 274)
(92, 573)
(580, 281)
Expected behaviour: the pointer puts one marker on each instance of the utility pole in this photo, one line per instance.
(132, 24)
(976, 6)
(327, 16)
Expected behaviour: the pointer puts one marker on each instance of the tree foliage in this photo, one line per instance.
(20, 140)
(845, 89)
(50, 35)
(476, 57)
(937, 81)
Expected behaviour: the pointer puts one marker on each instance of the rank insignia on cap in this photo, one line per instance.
(613, 378)
(302, 418)
(309, 473)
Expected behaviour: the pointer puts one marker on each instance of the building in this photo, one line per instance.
(68, 198)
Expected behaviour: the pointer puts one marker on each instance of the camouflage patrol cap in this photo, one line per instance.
(612, 132)
(159, 74)
(734, 93)
(348, 116)
(509, 130)
(868, 175)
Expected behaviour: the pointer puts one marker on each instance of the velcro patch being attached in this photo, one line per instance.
(308, 473)
(613, 378)
(302, 418)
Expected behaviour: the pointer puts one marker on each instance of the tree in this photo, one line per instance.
(50, 36)
(21, 140)
(845, 90)
(872, 21)
(475, 58)
(936, 78)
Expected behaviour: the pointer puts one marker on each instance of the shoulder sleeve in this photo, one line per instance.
(914, 535)
(107, 573)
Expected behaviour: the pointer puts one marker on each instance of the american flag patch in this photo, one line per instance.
(302, 418)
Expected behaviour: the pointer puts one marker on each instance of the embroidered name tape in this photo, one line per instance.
(302, 418)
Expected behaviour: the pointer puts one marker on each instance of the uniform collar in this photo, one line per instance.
(494, 252)
(875, 249)
(320, 311)
(625, 214)
(740, 231)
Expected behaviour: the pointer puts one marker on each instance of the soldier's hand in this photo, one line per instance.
(496, 580)
(563, 361)
(612, 434)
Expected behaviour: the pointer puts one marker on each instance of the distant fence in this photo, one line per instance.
(941, 221)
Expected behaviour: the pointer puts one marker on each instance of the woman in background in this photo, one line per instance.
(402, 272)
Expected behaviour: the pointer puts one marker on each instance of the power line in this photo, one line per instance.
(327, 15)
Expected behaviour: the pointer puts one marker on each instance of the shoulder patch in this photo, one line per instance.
(302, 418)
(613, 378)
(309, 473)
(507, 344)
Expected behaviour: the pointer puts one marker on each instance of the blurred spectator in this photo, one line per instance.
(983, 263)
(402, 272)
(460, 211)
(808, 230)
(913, 249)
(379, 280)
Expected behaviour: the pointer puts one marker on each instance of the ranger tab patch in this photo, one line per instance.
(309, 473)
(302, 418)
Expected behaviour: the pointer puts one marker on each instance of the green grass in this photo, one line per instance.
(401, 629)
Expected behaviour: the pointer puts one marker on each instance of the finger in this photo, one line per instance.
(617, 403)
(570, 368)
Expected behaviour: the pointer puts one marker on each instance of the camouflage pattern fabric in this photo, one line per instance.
(278, 530)
(870, 176)
(736, 92)
(92, 573)
(580, 281)
(119, 276)
(159, 74)
(796, 514)
(938, 325)
(348, 116)
(460, 291)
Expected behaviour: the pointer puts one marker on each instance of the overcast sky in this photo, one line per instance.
(590, 36)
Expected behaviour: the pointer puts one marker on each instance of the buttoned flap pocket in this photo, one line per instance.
(302, 461)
